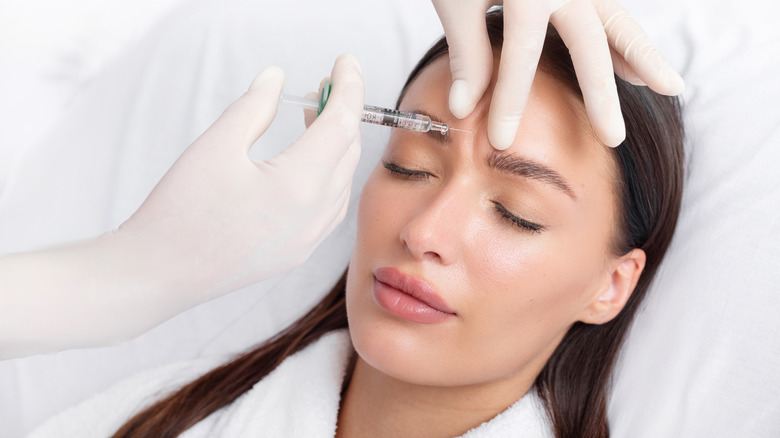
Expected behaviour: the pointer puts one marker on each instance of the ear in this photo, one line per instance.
(618, 285)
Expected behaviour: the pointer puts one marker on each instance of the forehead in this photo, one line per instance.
(554, 129)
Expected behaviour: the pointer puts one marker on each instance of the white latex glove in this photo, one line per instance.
(217, 221)
(602, 39)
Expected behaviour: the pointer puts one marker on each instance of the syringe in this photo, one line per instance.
(374, 114)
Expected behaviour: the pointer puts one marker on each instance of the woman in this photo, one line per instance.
(483, 284)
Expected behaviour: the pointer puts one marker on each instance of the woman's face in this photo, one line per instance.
(471, 264)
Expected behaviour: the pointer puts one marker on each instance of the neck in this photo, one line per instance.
(377, 405)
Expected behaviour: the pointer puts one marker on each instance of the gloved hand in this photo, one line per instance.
(602, 38)
(216, 221)
(241, 221)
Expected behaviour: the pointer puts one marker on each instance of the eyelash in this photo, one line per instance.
(516, 221)
(405, 173)
(521, 223)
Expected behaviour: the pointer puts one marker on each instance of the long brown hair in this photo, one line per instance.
(575, 381)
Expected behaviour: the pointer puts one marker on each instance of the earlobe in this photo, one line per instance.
(620, 285)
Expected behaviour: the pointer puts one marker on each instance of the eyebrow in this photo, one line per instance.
(511, 163)
(526, 168)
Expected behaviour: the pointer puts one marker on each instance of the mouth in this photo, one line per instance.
(409, 298)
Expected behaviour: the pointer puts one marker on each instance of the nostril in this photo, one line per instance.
(421, 241)
(431, 229)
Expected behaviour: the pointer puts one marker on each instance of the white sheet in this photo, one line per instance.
(703, 357)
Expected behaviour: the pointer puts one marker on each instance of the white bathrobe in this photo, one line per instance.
(300, 398)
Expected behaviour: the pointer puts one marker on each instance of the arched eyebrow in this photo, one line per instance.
(527, 168)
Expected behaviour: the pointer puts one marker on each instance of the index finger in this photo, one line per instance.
(471, 59)
(525, 27)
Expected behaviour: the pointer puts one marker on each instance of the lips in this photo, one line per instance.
(409, 298)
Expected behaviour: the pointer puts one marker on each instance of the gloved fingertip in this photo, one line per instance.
(502, 135)
(606, 117)
(267, 77)
(666, 79)
(614, 133)
(350, 59)
(675, 84)
(348, 86)
(461, 103)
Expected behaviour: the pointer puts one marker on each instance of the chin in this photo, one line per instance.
(396, 356)
(409, 352)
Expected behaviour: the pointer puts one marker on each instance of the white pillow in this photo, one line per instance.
(702, 357)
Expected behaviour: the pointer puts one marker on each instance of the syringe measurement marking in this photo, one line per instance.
(394, 118)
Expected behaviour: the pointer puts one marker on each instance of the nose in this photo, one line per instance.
(437, 227)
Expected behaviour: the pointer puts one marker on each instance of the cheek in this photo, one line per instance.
(516, 283)
(525, 293)
(377, 233)
(550, 274)
(376, 224)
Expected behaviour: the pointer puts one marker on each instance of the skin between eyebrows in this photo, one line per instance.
(511, 164)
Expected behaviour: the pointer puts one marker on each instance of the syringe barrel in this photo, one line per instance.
(396, 119)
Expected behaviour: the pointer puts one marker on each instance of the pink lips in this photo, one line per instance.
(409, 298)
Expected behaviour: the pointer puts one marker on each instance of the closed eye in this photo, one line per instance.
(523, 224)
(405, 173)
